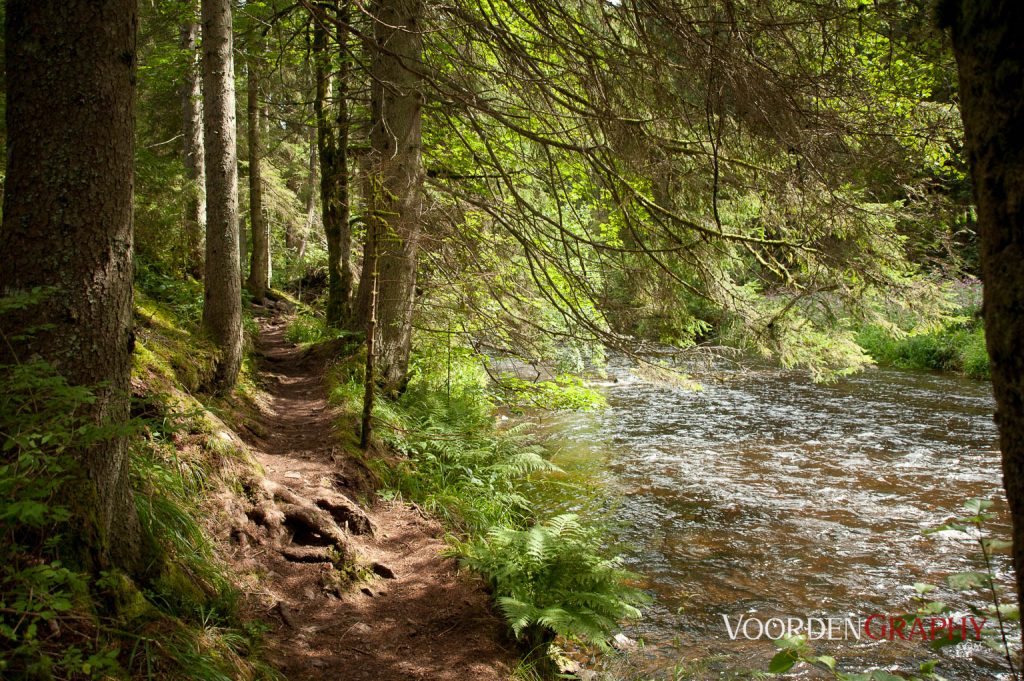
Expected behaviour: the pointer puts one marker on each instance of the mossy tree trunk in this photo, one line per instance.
(332, 146)
(259, 266)
(222, 302)
(988, 40)
(395, 184)
(194, 154)
(67, 226)
(298, 241)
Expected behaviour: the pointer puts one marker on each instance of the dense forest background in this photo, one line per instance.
(431, 191)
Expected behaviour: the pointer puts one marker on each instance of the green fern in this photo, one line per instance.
(551, 580)
(458, 466)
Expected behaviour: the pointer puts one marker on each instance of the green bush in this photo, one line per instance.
(550, 580)
(38, 417)
(974, 355)
(958, 348)
(457, 465)
(308, 327)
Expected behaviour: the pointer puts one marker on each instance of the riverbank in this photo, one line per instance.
(443, 445)
(958, 347)
(953, 343)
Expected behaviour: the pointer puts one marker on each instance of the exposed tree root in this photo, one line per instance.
(344, 512)
(308, 554)
(304, 529)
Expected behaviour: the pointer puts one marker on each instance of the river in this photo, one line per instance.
(766, 495)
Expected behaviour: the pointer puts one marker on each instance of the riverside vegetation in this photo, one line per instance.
(956, 344)
(431, 194)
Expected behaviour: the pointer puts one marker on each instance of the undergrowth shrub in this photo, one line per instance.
(954, 341)
(958, 348)
(309, 326)
(59, 619)
(550, 578)
(471, 478)
(39, 421)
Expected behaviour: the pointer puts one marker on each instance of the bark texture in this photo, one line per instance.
(395, 184)
(193, 151)
(988, 40)
(222, 303)
(332, 146)
(259, 266)
(67, 226)
(298, 243)
(370, 375)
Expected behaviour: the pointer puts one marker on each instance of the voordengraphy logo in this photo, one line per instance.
(876, 627)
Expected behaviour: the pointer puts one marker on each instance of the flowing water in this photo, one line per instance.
(765, 495)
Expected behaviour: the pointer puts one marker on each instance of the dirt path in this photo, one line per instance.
(427, 622)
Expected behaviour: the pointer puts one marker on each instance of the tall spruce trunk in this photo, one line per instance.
(67, 226)
(396, 179)
(193, 150)
(332, 146)
(369, 376)
(988, 40)
(259, 266)
(222, 303)
(311, 205)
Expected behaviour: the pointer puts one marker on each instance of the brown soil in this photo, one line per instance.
(429, 621)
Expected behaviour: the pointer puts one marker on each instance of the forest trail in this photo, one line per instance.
(427, 622)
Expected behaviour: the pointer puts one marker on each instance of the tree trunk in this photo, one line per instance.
(259, 266)
(303, 236)
(243, 248)
(222, 304)
(332, 145)
(369, 377)
(361, 306)
(194, 152)
(396, 180)
(67, 225)
(989, 45)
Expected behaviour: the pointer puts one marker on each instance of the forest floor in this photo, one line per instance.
(411, 615)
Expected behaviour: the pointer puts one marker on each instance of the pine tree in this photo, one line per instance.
(68, 229)
(222, 303)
